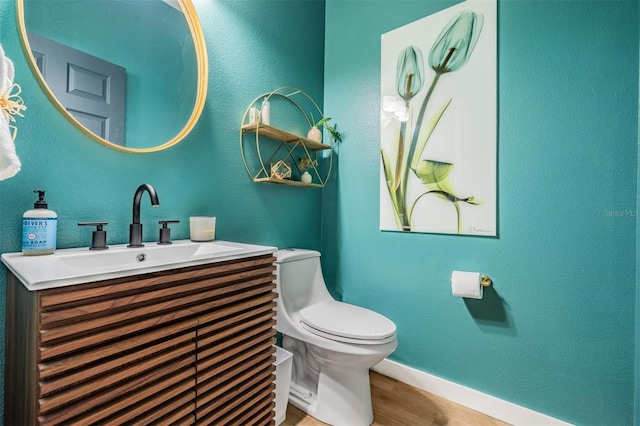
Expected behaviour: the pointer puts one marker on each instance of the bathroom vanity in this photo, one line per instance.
(186, 341)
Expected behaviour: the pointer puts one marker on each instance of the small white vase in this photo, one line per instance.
(306, 177)
(315, 134)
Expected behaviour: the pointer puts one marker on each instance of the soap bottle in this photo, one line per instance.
(265, 112)
(39, 228)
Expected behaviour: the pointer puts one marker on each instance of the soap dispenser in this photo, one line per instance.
(39, 228)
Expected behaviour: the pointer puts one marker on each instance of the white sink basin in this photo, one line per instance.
(79, 265)
(127, 257)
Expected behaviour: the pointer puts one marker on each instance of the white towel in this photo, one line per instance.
(9, 161)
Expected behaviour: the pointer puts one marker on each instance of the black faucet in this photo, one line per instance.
(135, 229)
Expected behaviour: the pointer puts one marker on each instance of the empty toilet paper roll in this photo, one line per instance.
(466, 284)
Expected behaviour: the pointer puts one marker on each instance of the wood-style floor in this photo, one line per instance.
(398, 404)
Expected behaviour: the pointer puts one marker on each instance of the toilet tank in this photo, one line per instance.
(299, 279)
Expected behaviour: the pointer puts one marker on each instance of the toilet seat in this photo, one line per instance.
(347, 323)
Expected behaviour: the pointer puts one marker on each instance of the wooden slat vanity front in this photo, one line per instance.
(191, 345)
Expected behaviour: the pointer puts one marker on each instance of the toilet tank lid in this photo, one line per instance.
(291, 254)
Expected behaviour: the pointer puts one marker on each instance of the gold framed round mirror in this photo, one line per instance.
(130, 74)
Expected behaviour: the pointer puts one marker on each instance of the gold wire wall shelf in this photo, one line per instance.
(263, 145)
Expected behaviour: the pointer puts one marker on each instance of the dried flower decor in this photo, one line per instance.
(306, 163)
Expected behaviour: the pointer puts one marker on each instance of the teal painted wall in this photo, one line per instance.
(556, 333)
(637, 387)
(253, 47)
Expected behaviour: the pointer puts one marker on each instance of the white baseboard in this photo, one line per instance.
(478, 401)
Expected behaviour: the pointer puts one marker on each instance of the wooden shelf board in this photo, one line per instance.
(284, 136)
(287, 182)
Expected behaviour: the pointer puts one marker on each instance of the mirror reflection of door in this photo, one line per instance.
(90, 88)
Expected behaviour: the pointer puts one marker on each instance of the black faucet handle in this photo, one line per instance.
(165, 232)
(99, 237)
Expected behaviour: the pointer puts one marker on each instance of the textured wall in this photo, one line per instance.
(556, 333)
(203, 174)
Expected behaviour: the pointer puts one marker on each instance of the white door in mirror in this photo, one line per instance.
(91, 89)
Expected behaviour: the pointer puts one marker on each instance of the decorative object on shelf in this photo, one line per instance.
(264, 146)
(306, 177)
(254, 115)
(333, 131)
(315, 134)
(305, 164)
(280, 170)
(265, 111)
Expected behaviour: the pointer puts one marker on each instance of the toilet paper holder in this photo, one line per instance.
(485, 281)
(469, 284)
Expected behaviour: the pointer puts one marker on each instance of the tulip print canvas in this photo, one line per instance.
(438, 123)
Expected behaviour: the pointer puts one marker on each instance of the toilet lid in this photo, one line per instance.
(348, 323)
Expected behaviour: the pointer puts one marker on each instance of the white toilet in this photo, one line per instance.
(333, 343)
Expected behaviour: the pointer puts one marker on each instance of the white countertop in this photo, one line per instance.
(73, 266)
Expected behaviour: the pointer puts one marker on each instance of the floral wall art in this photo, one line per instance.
(438, 123)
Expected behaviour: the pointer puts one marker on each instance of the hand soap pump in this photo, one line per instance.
(39, 228)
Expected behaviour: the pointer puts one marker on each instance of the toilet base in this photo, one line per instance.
(334, 403)
(334, 393)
